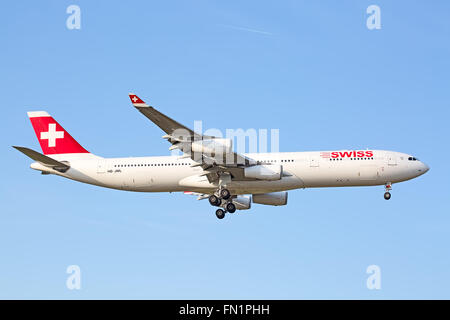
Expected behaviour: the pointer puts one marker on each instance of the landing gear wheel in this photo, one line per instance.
(225, 194)
(220, 213)
(214, 200)
(231, 208)
(387, 195)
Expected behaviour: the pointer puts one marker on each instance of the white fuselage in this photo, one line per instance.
(301, 170)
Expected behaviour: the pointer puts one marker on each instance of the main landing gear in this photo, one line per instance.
(387, 194)
(225, 194)
(222, 198)
(220, 213)
(214, 200)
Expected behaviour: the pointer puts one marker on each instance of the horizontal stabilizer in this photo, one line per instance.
(46, 161)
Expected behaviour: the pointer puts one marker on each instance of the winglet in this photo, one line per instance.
(136, 101)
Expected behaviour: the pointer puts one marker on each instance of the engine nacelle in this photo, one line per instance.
(269, 172)
(212, 146)
(271, 199)
(242, 203)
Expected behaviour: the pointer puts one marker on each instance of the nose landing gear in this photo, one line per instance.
(387, 194)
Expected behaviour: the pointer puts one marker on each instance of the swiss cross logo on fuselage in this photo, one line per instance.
(51, 135)
(347, 154)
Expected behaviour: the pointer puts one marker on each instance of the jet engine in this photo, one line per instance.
(271, 199)
(268, 172)
(214, 146)
(242, 202)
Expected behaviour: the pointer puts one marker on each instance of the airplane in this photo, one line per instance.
(210, 169)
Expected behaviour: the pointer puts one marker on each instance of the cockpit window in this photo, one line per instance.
(413, 159)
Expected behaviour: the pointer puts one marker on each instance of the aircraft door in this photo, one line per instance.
(101, 166)
(392, 159)
(313, 161)
(368, 172)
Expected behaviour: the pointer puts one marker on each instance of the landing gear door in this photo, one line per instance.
(392, 159)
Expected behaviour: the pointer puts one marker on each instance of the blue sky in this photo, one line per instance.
(311, 69)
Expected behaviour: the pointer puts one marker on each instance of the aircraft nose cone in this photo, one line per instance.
(423, 168)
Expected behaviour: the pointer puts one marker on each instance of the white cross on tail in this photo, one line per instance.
(51, 135)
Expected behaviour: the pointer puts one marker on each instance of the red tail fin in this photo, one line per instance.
(51, 136)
